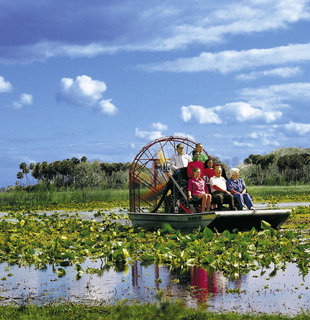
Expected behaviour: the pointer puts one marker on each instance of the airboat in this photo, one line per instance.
(158, 197)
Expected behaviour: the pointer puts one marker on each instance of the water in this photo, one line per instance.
(287, 292)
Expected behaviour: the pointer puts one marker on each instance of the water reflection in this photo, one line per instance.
(284, 292)
(206, 283)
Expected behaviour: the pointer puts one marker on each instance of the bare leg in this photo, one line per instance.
(203, 196)
(209, 199)
(204, 202)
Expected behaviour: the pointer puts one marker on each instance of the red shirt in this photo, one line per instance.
(197, 187)
(209, 172)
(195, 164)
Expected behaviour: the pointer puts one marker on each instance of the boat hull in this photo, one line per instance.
(215, 220)
(176, 221)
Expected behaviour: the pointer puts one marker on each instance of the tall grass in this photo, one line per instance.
(164, 310)
(60, 197)
(22, 199)
(280, 193)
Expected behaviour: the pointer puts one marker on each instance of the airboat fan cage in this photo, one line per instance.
(149, 171)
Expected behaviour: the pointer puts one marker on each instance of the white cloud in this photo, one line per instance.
(24, 99)
(277, 72)
(243, 144)
(234, 111)
(268, 136)
(155, 26)
(106, 106)
(82, 91)
(148, 135)
(185, 135)
(159, 126)
(5, 86)
(300, 128)
(86, 92)
(243, 111)
(232, 60)
(201, 114)
(277, 96)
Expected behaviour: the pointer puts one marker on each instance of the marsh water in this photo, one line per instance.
(287, 292)
(267, 291)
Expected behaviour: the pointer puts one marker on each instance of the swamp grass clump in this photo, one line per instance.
(162, 310)
(63, 240)
(275, 194)
(89, 199)
(63, 199)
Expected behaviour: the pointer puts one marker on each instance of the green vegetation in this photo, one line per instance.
(76, 173)
(274, 194)
(64, 240)
(163, 310)
(43, 199)
(280, 167)
(87, 199)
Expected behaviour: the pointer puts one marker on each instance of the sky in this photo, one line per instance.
(103, 78)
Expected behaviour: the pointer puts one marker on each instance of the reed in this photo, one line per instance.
(163, 310)
(53, 197)
(21, 198)
(294, 193)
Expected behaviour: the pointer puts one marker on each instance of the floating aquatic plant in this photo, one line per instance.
(62, 240)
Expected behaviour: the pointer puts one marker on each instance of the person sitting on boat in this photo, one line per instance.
(180, 159)
(237, 187)
(209, 170)
(219, 190)
(197, 189)
(202, 156)
(195, 164)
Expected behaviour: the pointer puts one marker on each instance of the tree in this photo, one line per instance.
(84, 159)
(25, 170)
(20, 176)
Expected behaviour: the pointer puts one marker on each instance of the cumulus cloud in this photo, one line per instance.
(299, 128)
(5, 86)
(201, 114)
(185, 135)
(243, 111)
(106, 106)
(86, 92)
(148, 135)
(152, 134)
(233, 60)
(234, 111)
(277, 72)
(24, 100)
(159, 126)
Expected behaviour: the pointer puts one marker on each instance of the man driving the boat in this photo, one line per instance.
(180, 159)
(219, 190)
(237, 187)
(198, 189)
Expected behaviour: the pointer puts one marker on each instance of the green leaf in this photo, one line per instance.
(60, 272)
(208, 234)
(265, 225)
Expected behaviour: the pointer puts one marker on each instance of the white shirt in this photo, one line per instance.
(178, 161)
(219, 182)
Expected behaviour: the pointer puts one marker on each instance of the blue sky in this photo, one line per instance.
(104, 78)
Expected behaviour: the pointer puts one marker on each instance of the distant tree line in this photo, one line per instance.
(280, 167)
(76, 173)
